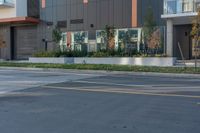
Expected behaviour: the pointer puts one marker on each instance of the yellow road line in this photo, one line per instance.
(121, 92)
(166, 86)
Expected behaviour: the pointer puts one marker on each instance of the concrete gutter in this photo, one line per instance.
(103, 72)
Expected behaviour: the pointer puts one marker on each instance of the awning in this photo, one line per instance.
(20, 20)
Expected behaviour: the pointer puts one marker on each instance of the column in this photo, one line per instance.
(169, 37)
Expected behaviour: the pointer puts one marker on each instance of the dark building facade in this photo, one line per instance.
(23, 38)
(95, 14)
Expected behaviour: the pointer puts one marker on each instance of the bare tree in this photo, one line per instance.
(195, 33)
(151, 33)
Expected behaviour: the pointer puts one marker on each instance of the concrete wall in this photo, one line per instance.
(21, 8)
(8, 12)
(109, 60)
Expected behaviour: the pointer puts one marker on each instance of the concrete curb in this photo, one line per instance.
(103, 72)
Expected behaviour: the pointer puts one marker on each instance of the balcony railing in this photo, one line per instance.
(180, 6)
(6, 3)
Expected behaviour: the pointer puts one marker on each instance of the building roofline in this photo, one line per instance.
(20, 20)
(178, 15)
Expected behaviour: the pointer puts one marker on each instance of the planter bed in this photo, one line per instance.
(1, 60)
(140, 61)
(52, 60)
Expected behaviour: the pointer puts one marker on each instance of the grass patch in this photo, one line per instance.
(105, 67)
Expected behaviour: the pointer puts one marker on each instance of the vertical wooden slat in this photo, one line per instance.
(134, 13)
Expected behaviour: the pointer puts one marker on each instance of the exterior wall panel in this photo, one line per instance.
(21, 8)
(5, 32)
(96, 12)
(25, 41)
(8, 12)
(134, 13)
(142, 9)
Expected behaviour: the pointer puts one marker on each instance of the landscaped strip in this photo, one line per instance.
(190, 70)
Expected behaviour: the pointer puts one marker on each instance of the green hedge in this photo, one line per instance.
(110, 53)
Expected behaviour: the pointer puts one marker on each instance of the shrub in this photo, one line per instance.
(47, 54)
(100, 54)
(104, 53)
(74, 54)
(61, 54)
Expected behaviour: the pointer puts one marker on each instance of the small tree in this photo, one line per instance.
(56, 35)
(155, 40)
(149, 28)
(109, 35)
(195, 33)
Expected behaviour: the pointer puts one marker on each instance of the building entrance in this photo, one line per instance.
(24, 42)
(182, 36)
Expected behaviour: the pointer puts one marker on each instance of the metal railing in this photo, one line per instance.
(180, 6)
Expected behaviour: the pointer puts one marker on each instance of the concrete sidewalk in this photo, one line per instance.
(102, 72)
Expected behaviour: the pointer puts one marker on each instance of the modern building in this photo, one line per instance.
(26, 25)
(179, 15)
(19, 20)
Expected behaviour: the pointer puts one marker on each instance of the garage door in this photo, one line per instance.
(25, 42)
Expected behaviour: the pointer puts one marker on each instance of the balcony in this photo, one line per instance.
(6, 3)
(180, 8)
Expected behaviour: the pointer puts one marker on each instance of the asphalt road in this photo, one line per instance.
(81, 102)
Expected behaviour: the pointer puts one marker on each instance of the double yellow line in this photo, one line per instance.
(120, 92)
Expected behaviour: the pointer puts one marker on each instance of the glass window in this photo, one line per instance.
(63, 42)
(100, 39)
(179, 6)
(79, 40)
(171, 6)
